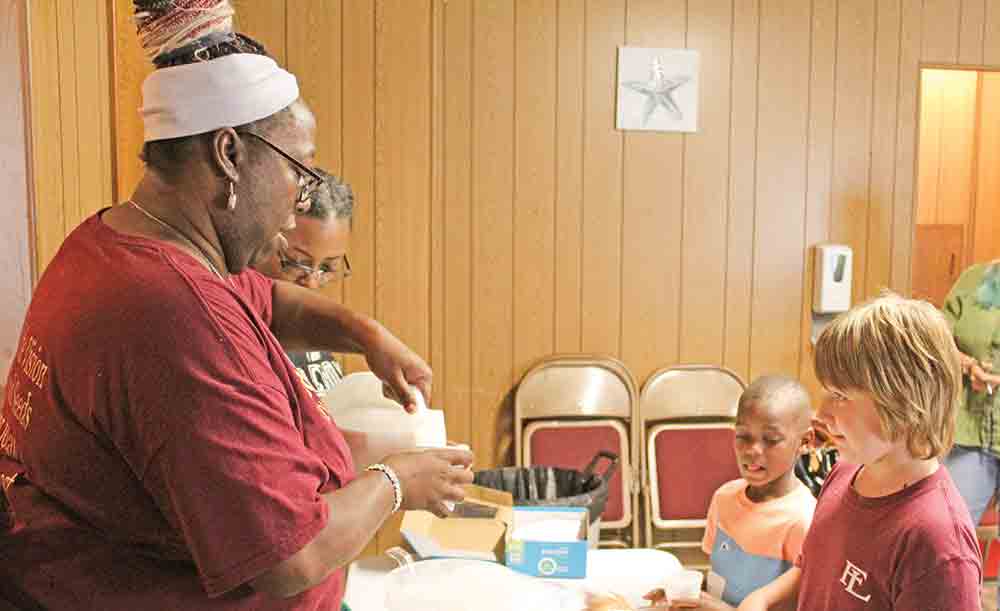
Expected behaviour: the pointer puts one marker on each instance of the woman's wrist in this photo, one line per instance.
(393, 478)
(965, 362)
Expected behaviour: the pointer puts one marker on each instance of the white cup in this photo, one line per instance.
(684, 585)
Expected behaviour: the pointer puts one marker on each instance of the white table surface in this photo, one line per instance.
(630, 572)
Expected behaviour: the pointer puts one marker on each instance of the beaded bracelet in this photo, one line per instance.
(397, 489)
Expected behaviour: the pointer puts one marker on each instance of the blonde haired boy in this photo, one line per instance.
(890, 530)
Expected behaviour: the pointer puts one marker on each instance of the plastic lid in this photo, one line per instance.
(357, 404)
(459, 585)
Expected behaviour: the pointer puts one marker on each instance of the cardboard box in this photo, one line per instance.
(548, 542)
(476, 530)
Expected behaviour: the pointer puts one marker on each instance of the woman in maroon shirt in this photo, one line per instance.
(157, 449)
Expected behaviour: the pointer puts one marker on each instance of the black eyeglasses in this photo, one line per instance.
(338, 268)
(309, 180)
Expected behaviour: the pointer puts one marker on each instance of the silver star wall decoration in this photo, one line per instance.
(658, 89)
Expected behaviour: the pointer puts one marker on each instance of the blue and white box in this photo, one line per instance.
(548, 542)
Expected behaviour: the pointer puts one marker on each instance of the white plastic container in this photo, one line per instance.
(377, 426)
(461, 585)
(684, 585)
(629, 573)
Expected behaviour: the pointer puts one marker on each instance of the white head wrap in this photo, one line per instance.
(224, 92)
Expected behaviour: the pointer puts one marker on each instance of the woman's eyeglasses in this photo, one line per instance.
(309, 180)
(337, 268)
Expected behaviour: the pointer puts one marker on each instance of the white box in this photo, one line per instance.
(832, 280)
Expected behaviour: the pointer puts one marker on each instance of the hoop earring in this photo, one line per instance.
(231, 202)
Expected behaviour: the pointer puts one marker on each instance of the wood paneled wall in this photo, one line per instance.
(947, 161)
(986, 237)
(501, 217)
(70, 93)
(959, 153)
(15, 226)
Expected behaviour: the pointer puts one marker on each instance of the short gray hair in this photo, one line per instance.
(334, 198)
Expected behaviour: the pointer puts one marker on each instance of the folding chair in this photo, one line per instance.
(685, 418)
(569, 407)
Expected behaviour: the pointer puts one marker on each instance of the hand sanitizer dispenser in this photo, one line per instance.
(832, 283)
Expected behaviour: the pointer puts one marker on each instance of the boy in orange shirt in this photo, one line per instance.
(756, 524)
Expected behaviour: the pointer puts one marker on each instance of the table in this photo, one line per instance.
(629, 572)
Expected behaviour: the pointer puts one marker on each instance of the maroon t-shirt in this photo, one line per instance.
(914, 550)
(157, 448)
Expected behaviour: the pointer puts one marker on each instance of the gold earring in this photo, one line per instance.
(231, 203)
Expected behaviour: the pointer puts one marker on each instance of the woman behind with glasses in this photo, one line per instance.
(314, 254)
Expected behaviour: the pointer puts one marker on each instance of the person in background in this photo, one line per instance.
(890, 530)
(756, 524)
(972, 309)
(312, 255)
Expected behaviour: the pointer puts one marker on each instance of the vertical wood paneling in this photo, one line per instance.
(852, 138)
(105, 100)
(972, 32)
(941, 31)
(742, 185)
(948, 149)
(402, 166)
(265, 21)
(819, 173)
(703, 282)
(781, 185)
(570, 79)
(652, 213)
(90, 29)
(317, 63)
(46, 132)
(929, 163)
(358, 142)
(492, 224)
(437, 320)
(903, 209)
(460, 400)
(602, 181)
(533, 253)
(955, 190)
(129, 71)
(991, 34)
(987, 226)
(15, 228)
(68, 108)
(883, 163)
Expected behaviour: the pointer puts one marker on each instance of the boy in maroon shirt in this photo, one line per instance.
(890, 530)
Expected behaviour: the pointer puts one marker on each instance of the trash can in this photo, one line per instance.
(541, 485)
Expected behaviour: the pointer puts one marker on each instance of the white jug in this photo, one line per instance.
(377, 426)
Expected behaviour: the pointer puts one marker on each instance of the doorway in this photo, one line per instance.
(958, 187)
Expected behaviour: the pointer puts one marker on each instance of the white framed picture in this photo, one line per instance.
(657, 89)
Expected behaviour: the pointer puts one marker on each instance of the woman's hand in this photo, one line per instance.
(398, 367)
(981, 380)
(431, 477)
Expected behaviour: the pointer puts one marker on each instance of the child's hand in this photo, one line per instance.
(659, 599)
(711, 603)
(658, 595)
(754, 602)
(606, 602)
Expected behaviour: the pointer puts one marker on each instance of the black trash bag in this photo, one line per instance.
(541, 485)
